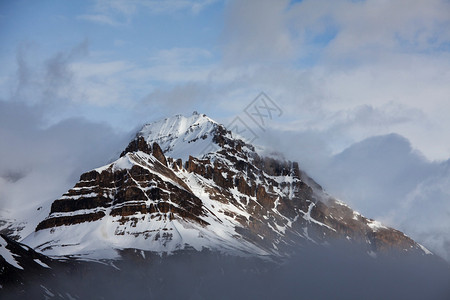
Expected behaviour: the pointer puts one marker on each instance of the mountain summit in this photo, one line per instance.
(188, 183)
(181, 136)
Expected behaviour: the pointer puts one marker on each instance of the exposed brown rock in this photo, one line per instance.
(385, 240)
(138, 144)
(179, 163)
(263, 197)
(68, 205)
(243, 187)
(127, 210)
(157, 152)
(70, 220)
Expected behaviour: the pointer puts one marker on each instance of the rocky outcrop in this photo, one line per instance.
(157, 152)
(138, 144)
(125, 192)
(70, 220)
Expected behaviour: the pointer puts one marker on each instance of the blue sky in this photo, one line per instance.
(349, 76)
(117, 41)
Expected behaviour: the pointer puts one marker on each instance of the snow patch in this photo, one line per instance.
(372, 254)
(8, 255)
(375, 225)
(427, 252)
(37, 260)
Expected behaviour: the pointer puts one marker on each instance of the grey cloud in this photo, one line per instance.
(376, 173)
(68, 77)
(371, 116)
(50, 82)
(382, 177)
(23, 70)
(57, 72)
(425, 211)
(255, 32)
(310, 148)
(179, 99)
(40, 162)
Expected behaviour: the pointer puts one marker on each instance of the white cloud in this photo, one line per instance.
(99, 18)
(365, 28)
(121, 12)
(43, 162)
(171, 6)
(325, 59)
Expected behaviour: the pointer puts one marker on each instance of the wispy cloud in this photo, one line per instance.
(68, 77)
(101, 19)
(171, 6)
(121, 12)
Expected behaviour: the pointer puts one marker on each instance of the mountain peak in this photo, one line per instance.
(181, 136)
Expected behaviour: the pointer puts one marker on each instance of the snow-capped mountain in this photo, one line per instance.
(189, 183)
(181, 137)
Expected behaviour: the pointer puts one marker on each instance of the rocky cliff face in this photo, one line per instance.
(186, 183)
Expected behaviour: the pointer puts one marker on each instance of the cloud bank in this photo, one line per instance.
(41, 162)
(314, 273)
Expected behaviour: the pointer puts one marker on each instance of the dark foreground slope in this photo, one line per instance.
(336, 272)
